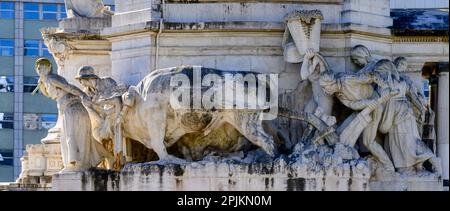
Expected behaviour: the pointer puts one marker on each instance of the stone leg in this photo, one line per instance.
(157, 134)
(369, 135)
(254, 132)
(73, 149)
(64, 151)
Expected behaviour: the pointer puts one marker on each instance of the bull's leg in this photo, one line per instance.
(157, 133)
(252, 129)
(156, 126)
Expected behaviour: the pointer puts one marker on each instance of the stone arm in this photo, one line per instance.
(305, 71)
(307, 65)
(61, 83)
(371, 103)
(416, 99)
(93, 114)
(360, 78)
(42, 89)
(357, 105)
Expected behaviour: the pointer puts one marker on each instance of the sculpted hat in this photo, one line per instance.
(86, 72)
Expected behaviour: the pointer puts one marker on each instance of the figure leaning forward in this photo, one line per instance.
(79, 149)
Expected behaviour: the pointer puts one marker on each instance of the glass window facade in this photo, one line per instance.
(30, 83)
(35, 48)
(6, 120)
(48, 121)
(6, 158)
(31, 11)
(45, 11)
(6, 47)
(49, 11)
(31, 48)
(33, 121)
(7, 10)
(6, 84)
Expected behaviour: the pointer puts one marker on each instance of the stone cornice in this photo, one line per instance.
(408, 39)
(68, 34)
(201, 27)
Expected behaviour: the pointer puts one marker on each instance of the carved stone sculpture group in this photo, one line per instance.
(101, 120)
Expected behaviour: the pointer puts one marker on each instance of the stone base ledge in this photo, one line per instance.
(24, 187)
(209, 176)
(428, 182)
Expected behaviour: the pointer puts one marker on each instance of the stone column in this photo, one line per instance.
(18, 89)
(443, 119)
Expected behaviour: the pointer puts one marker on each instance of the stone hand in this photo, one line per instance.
(394, 92)
(309, 54)
(86, 100)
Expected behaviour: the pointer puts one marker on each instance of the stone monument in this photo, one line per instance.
(233, 99)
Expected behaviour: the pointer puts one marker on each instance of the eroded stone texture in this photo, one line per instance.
(326, 135)
(315, 169)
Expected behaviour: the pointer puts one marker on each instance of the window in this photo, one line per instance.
(35, 48)
(36, 11)
(6, 120)
(45, 51)
(31, 48)
(49, 11)
(39, 121)
(112, 7)
(426, 89)
(31, 11)
(6, 47)
(6, 84)
(62, 9)
(6, 158)
(7, 10)
(29, 83)
(48, 121)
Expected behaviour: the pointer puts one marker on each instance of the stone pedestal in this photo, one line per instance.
(408, 183)
(40, 162)
(210, 176)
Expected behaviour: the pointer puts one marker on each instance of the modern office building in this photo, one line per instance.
(24, 117)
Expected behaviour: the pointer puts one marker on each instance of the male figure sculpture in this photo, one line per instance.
(104, 105)
(301, 43)
(407, 149)
(79, 150)
(357, 93)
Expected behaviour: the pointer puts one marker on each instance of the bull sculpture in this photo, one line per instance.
(146, 112)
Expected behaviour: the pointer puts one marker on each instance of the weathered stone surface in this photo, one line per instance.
(282, 174)
(319, 138)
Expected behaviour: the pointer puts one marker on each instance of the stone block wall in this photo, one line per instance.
(237, 35)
